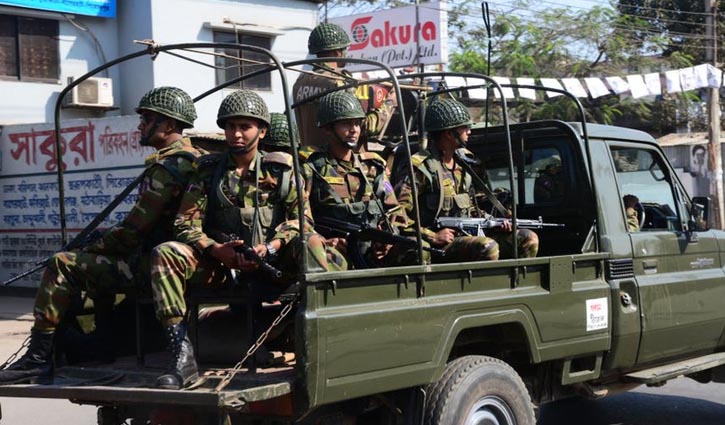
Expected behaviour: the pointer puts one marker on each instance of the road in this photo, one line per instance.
(682, 401)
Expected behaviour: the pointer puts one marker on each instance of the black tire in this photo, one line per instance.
(478, 390)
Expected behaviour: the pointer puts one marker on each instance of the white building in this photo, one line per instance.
(43, 44)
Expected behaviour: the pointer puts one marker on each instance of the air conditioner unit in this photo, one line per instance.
(93, 92)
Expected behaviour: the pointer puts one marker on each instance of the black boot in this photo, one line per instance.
(36, 365)
(182, 370)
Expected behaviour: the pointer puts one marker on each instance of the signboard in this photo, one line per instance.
(100, 8)
(100, 157)
(393, 37)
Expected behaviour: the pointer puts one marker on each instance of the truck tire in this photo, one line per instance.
(478, 390)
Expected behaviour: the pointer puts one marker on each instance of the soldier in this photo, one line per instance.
(107, 264)
(549, 186)
(350, 186)
(278, 137)
(244, 192)
(329, 40)
(630, 208)
(444, 187)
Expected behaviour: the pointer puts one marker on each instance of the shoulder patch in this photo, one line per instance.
(278, 158)
(306, 151)
(419, 158)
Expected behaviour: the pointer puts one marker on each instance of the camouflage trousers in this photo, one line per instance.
(69, 273)
(527, 243)
(176, 266)
(495, 246)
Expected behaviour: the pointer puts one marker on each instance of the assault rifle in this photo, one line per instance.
(476, 226)
(365, 232)
(248, 252)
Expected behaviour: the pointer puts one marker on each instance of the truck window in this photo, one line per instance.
(545, 180)
(641, 173)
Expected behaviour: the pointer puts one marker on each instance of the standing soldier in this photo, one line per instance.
(107, 264)
(353, 187)
(329, 40)
(243, 192)
(279, 137)
(444, 190)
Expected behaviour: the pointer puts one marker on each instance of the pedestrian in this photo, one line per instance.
(118, 257)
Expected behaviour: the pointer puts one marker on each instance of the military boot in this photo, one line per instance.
(182, 370)
(36, 365)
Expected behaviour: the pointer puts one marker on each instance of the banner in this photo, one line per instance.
(100, 158)
(99, 8)
(394, 38)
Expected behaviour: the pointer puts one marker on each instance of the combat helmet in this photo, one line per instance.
(171, 102)
(326, 37)
(279, 134)
(339, 105)
(445, 114)
(242, 103)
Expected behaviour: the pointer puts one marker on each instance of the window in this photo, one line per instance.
(29, 49)
(642, 174)
(232, 68)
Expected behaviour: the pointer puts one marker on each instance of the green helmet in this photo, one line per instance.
(242, 103)
(446, 113)
(339, 105)
(171, 102)
(327, 36)
(279, 134)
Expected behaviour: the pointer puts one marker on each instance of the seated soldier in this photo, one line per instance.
(444, 187)
(105, 266)
(243, 192)
(548, 186)
(353, 187)
(630, 208)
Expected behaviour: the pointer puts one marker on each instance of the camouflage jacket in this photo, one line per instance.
(268, 185)
(334, 187)
(150, 221)
(441, 191)
(310, 84)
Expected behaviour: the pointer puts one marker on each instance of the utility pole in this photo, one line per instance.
(713, 118)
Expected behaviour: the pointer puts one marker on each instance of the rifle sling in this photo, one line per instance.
(486, 190)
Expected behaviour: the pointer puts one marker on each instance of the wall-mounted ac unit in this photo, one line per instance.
(93, 92)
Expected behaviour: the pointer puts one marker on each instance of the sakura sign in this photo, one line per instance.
(394, 38)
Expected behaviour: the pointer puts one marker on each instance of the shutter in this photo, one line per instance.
(8, 46)
(38, 48)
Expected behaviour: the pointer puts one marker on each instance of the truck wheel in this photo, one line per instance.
(478, 390)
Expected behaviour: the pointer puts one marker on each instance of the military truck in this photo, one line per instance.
(602, 309)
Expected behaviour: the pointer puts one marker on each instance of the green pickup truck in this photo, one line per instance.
(602, 309)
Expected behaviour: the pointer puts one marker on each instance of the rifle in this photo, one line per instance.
(476, 226)
(365, 232)
(248, 252)
(84, 237)
(252, 255)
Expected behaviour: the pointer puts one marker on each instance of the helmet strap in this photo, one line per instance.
(146, 138)
(248, 146)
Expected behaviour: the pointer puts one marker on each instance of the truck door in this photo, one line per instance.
(679, 275)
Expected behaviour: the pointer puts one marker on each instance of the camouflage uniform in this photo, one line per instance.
(217, 203)
(323, 77)
(359, 192)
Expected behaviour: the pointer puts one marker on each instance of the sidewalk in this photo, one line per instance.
(16, 308)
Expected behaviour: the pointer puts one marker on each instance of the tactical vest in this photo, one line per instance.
(254, 224)
(436, 203)
(169, 161)
(365, 208)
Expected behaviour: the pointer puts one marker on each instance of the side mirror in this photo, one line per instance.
(700, 213)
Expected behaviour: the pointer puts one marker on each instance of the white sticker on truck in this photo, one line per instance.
(597, 314)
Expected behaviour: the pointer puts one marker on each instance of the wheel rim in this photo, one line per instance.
(490, 410)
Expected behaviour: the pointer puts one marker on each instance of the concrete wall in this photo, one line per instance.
(167, 22)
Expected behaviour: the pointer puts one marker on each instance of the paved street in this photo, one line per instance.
(682, 401)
